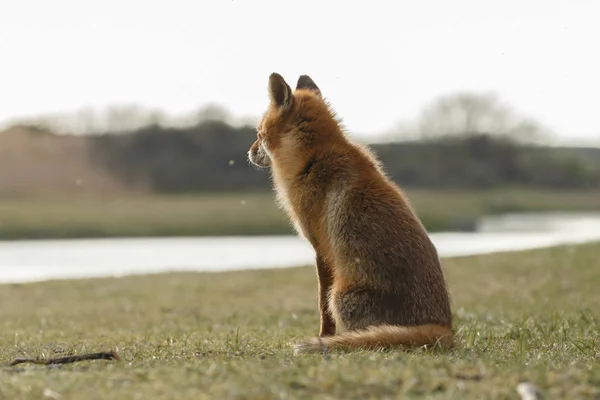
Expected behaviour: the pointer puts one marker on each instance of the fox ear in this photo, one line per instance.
(280, 92)
(305, 82)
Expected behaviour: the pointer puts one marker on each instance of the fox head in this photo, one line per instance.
(294, 123)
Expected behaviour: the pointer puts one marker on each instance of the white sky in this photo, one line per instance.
(378, 62)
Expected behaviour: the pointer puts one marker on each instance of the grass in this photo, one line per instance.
(246, 213)
(530, 316)
(145, 215)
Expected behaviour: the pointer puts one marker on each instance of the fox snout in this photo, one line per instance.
(258, 156)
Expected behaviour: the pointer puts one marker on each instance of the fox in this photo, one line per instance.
(380, 283)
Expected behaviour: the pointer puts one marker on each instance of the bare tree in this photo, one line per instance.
(124, 118)
(465, 113)
(213, 112)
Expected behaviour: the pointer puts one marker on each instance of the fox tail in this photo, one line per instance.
(382, 336)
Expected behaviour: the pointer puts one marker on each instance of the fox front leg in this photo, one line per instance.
(325, 280)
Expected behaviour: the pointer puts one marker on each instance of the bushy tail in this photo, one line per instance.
(383, 336)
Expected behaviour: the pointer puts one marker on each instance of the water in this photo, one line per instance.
(28, 261)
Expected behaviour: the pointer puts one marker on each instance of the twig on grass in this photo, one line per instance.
(110, 355)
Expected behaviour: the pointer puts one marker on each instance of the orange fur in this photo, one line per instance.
(379, 275)
(381, 336)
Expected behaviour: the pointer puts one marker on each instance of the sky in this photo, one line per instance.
(377, 62)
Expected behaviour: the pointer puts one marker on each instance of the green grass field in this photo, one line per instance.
(530, 316)
(244, 213)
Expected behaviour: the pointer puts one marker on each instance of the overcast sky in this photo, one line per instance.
(378, 62)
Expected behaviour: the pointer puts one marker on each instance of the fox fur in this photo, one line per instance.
(380, 281)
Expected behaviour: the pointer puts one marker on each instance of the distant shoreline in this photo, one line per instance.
(248, 214)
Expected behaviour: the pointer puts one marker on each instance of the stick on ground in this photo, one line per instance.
(111, 355)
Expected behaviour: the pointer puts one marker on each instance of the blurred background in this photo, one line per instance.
(132, 118)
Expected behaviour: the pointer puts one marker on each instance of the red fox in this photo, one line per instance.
(380, 282)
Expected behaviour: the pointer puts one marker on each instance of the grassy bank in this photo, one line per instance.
(244, 213)
(529, 316)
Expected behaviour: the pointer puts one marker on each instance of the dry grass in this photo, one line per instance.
(221, 214)
(528, 316)
(38, 163)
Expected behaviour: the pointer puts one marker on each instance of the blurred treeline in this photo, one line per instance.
(459, 141)
(211, 157)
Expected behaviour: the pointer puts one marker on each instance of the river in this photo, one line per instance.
(38, 260)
